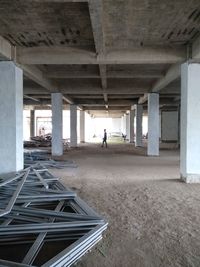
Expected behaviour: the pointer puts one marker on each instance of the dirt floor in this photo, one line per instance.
(154, 218)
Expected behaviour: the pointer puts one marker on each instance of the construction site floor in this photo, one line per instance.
(153, 216)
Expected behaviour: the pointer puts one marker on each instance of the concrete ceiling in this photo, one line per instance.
(104, 56)
(150, 22)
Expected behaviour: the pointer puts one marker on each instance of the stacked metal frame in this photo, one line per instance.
(34, 157)
(43, 223)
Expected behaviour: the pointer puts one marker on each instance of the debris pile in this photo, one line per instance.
(43, 223)
(34, 157)
(42, 141)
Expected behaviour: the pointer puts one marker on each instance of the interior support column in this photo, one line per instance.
(190, 126)
(73, 125)
(132, 132)
(57, 124)
(11, 118)
(82, 126)
(139, 116)
(153, 125)
(32, 123)
(128, 127)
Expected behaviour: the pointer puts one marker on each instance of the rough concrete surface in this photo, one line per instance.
(153, 216)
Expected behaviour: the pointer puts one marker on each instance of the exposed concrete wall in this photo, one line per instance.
(57, 124)
(11, 117)
(190, 126)
(73, 125)
(153, 124)
(169, 126)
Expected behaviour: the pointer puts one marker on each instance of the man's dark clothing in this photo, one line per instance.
(104, 139)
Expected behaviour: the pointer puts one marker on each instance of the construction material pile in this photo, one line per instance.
(43, 223)
(34, 157)
(39, 141)
(42, 141)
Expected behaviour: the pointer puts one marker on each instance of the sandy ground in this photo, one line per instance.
(154, 218)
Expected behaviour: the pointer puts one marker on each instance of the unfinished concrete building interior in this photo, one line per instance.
(83, 65)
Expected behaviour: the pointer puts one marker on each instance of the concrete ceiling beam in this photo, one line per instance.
(143, 99)
(60, 1)
(99, 108)
(96, 17)
(68, 99)
(137, 89)
(113, 102)
(110, 74)
(127, 74)
(196, 50)
(66, 55)
(54, 55)
(172, 74)
(36, 75)
(6, 49)
(110, 96)
(32, 98)
(35, 91)
(34, 103)
(102, 69)
(71, 75)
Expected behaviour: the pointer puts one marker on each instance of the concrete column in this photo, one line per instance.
(190, 126)
(128, 127)
(153, 125)
(57, 124)
(11, 118)
(32, 123)
(82, 126)
(139, 116)
(73, 125)
(132, 132)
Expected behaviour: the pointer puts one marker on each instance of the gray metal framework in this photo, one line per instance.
(38, 216)
(33, 157)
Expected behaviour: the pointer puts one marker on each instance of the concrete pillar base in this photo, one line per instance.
(191, 178)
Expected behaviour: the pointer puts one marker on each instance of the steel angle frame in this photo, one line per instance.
(13, 199)
(5, 263)
(68, 252)
(34, 222)
(34, 250)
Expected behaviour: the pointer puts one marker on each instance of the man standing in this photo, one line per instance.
(104, 138)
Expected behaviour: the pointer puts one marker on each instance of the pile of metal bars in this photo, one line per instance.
(42, 222)
(31, 158)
